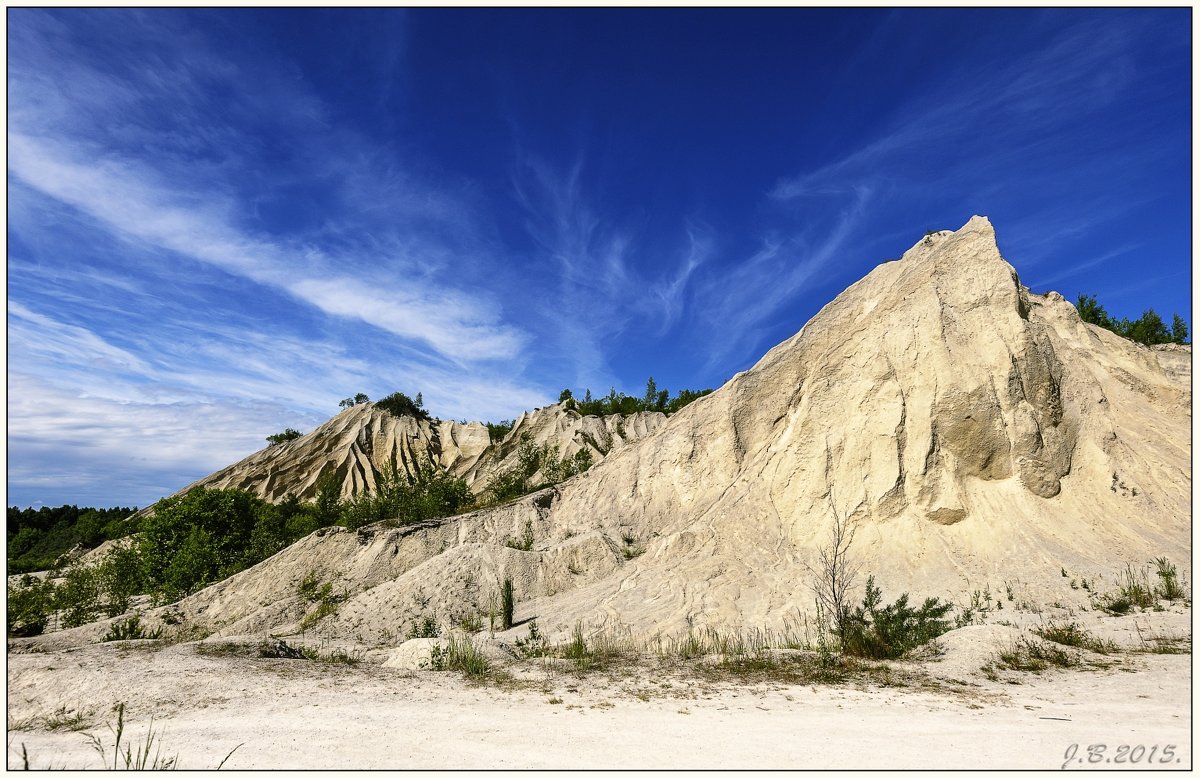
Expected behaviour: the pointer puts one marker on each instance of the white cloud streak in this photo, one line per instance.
(126, 200)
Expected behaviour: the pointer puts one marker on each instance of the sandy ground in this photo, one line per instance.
(303, 714)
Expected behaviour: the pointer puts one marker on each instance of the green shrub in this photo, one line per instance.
(1133, 590)
(119, 577)
(460, 654)
(283, 437)
(891, 631)
(78, 596)
(653, 399)
(403, 499)
(533, 458)
(497, 430)
(506, 604)
(1148, 330)
(400, 404)
(1033, 656)
(425, 628)
(30, 603)
(525, 542)
(197, 538)
(130, 629)
(1168, 576)
(37, 539)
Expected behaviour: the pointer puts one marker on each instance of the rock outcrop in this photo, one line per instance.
(978, 436)
(361, 442)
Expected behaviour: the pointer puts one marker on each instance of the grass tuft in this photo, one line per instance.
(1033, 656)
(1071, 634)
(131, 629)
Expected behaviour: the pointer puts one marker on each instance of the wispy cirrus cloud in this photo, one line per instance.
(126, 199)
(600, 280)
(196, 242)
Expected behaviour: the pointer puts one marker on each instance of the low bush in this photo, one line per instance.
(1071, 634)
(460, 654)
(889, 632)
(1168, 587)
(506, 604)
(283, 437)
(1033, 656)
(30, 603)
(498, 430)
(400, 404)
(131, 629)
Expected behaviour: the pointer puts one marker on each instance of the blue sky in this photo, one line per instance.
(222, 222)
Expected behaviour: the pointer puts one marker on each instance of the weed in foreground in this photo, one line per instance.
(130, 759)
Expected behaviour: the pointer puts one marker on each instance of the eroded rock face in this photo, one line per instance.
(978, 435)
(361, 441)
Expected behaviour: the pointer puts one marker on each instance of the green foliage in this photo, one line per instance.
(131, 629)
(506, 604)
(357, 399)
(78, 596)
(1168, 587)
(30, 603)
(1179, 330)
(497, 430)
(203, 536)
(328, 507)
(1149, 330)
(460, 654)
(283, 437)
(1033, 656)
(119, 577)
(577, 651)
(532, 459)
(891, 631)
(653, 399)
(310, 586)
(403, 499)
(425, 628)
(535, 644)
(37, 539)
(400, 404)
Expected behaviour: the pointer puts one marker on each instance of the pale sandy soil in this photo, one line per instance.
(303, 714)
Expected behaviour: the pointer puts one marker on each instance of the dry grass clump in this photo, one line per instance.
(1071, 634)
(1135, 590)
(1033, 656)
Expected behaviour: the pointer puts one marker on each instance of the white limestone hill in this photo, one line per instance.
(981, 438)
(361, 442)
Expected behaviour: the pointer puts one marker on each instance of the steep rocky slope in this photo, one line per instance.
(361, 441)
(979, 436)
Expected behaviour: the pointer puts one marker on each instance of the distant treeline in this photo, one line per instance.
(1149, 330)
(38, 537)
(653, 399)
